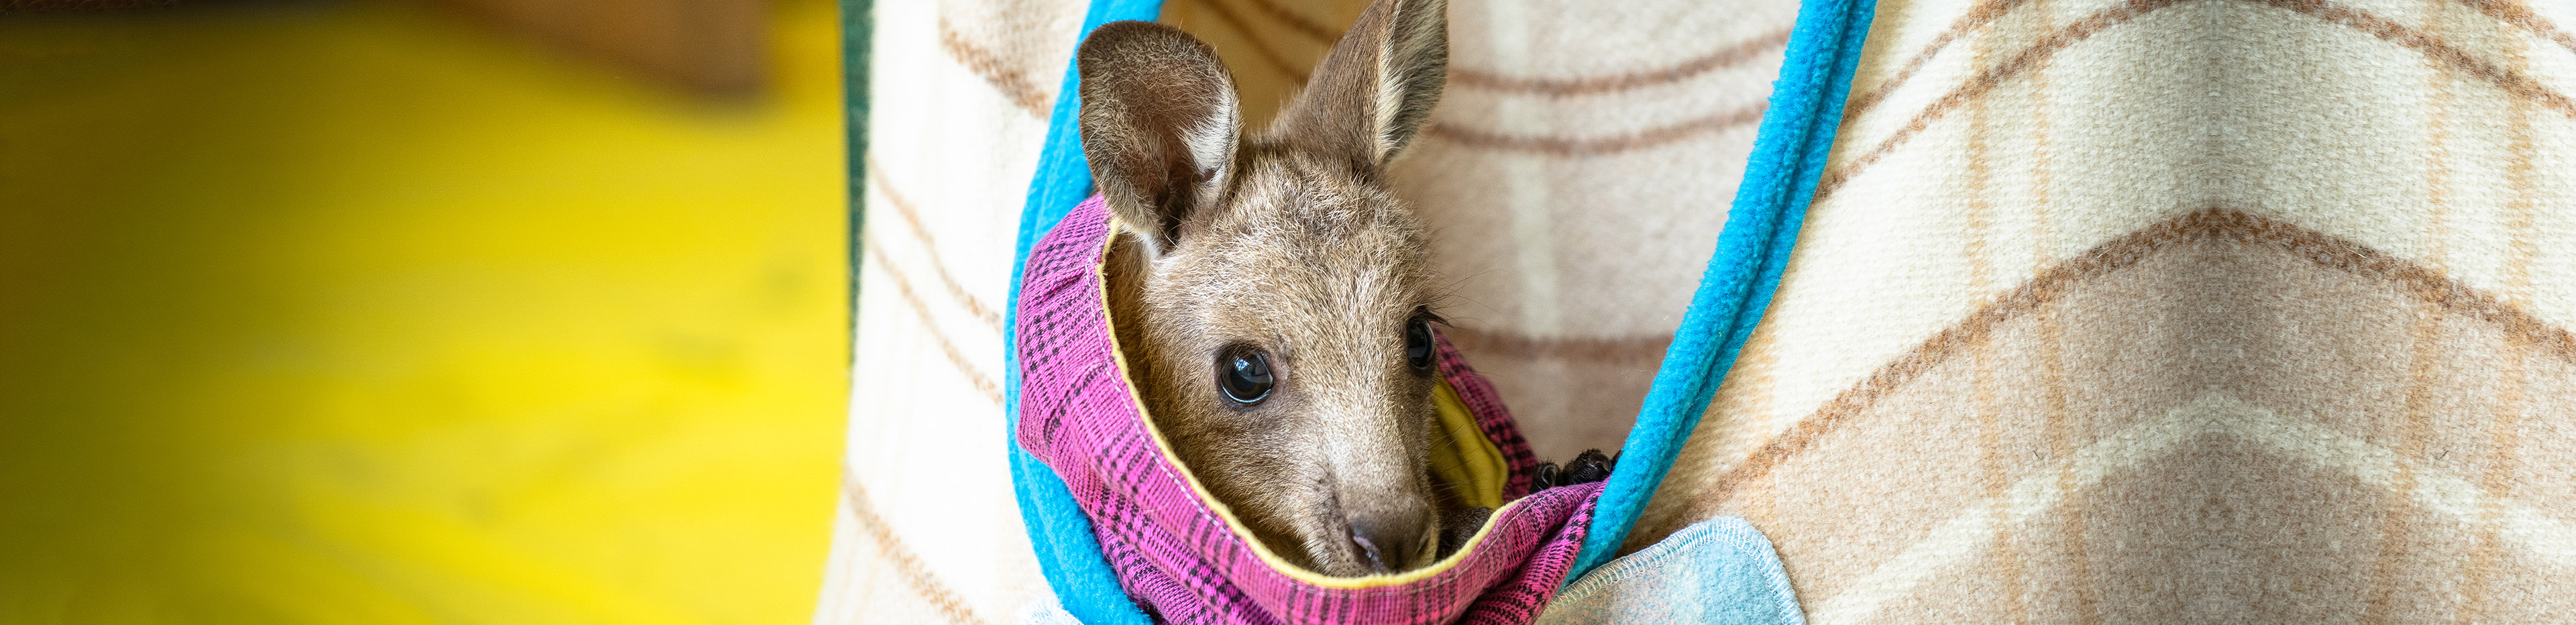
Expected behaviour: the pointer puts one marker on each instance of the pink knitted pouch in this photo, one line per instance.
(1186, 562)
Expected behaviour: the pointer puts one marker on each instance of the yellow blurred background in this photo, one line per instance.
(364, 312)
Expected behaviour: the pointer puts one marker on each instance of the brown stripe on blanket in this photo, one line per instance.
(2496, 483)
(2411, 432)
(1595, 146)
(1625, 350)
(930, 248)
(2212, 223)
(1725, 57)
(2502, 433)
(2520, 15)
(2253, 482)
(2442, 53)
(2444, 56)
(1014, 85)
(2011, 566)
(2058, 426)
(1985, 81)
(907, 566)
(1986, 12)
(983, 384)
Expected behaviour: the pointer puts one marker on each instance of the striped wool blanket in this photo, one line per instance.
(1179, 553)
(2173, 311)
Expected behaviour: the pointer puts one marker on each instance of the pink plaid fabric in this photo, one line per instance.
(1180, 560)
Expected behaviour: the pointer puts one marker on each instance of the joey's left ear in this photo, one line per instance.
(1159, 126)
(1374, 90)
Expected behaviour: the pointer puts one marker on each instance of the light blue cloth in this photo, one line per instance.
(1719, 571)
(1048, 614)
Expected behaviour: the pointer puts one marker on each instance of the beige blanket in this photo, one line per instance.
(2194, 311)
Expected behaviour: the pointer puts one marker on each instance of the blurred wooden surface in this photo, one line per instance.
(714, 47)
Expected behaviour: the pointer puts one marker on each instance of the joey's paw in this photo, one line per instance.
(1591, 466)
(1461, 525)
(1587, 467)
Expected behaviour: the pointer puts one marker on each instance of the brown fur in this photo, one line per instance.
(1287, 240)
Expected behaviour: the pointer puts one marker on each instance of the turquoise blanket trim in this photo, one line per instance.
(1067, 551)
(1717, 572)
(1788, 158)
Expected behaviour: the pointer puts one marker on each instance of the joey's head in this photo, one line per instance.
(1283, 293)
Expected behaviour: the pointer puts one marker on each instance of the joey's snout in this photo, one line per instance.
(1388, 543)
(1378, 505)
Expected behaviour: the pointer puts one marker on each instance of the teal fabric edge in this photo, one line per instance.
(1780, 177)
(858, 30)
(1067, 551)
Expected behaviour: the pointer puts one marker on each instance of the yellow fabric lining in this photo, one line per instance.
(1445, 398)
(1470, 461)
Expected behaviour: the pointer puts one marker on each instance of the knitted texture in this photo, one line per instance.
(2172, 311)
(1174, 552)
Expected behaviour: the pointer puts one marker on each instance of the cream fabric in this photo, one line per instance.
(928, 530)
(1578, 170)
(2174, 311)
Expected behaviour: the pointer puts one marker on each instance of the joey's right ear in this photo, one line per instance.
(1159, 125)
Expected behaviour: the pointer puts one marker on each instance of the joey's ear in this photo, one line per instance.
(1373, 91)
(1159, 125)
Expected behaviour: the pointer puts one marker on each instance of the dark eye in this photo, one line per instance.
(1243, 374)
(1417, 345)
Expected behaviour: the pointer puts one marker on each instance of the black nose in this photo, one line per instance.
(1385, 544)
